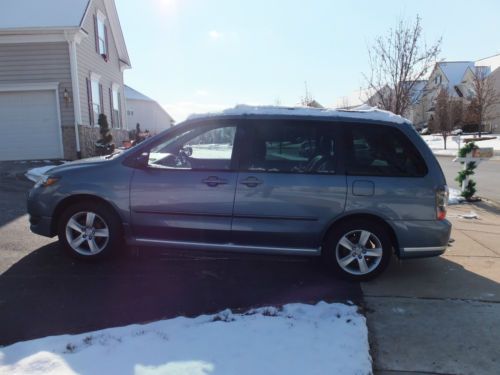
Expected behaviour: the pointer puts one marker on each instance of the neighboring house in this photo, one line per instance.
(61, 65)
(493, 115)
(146, 112)
(454, 76)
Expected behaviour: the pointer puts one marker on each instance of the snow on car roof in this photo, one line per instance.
(364, 112)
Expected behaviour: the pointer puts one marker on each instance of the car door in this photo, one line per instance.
(386, 174)
(288, 188)
(185, 192)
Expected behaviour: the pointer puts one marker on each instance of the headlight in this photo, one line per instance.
(46, 181)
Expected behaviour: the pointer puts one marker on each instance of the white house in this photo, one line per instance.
(61, 65)
(146, 112)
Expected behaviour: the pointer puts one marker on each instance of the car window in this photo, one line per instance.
(289, 147)
(201, 148)
(382, 151)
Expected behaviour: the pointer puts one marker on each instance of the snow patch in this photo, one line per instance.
(470, 215)
(364, 112)
(455, 196)
(295, 339)
(436, 143)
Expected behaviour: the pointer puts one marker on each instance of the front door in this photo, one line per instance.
(186, 191)
(288, 187)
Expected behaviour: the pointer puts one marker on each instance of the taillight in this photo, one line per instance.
(442, 194)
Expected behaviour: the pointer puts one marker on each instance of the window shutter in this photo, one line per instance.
(101, 99)
(106, 41)
(89, 95)
(96, 34)
(112, 108)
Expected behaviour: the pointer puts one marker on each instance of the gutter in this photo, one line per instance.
(75, 86)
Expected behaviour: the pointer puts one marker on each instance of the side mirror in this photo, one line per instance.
(187, 151)
(139, 161)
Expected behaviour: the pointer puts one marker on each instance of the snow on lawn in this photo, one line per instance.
(297, 339)
(436, 142)
(35, 173)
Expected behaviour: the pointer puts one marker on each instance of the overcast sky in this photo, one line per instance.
(202, 55)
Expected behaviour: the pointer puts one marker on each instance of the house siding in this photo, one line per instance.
(89, 61)
(41, 63)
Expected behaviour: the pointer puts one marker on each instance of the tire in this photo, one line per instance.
(91, 231)
(358, 249)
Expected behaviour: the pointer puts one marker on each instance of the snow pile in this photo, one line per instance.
(455, 196)
(363, 112)
(296, 339)
(35, 173)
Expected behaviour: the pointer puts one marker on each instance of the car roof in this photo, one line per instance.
(363, 113)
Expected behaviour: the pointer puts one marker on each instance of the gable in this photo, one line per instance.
(116, 33)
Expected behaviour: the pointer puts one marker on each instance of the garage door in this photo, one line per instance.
(29, 125)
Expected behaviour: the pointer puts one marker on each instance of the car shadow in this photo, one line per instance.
(49, 293)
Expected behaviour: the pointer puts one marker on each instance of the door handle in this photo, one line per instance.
(214, 181)
(251, 182)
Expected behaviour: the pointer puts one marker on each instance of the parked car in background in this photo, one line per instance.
(353, 187)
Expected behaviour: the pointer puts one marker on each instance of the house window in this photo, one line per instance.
(130, 113)
(438, 79)
(96, 100)
(117, 108)
(101, 35)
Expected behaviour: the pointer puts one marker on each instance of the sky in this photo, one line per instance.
(195, 56)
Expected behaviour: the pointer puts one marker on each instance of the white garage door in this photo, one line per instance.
(29, 125)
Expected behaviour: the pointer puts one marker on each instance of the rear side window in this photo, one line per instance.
(289, 147)
(375, 150)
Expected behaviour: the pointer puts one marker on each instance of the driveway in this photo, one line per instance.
(44, 292)
(441, 315)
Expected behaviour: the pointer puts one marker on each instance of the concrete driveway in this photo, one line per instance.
(441, 315)
(44, 292)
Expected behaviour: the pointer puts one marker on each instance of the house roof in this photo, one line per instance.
(132, 94)
(34, 14)
(26, 15)
(417, 91)
(454, 72)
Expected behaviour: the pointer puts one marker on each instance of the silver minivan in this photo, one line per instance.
(353, 187)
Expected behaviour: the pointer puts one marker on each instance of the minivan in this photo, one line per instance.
(354, 187)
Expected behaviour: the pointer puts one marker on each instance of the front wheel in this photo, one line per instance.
(89, 231)
(358, 249)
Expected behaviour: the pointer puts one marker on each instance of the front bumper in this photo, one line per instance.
(41, 225)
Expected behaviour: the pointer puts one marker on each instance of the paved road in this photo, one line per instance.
(44, 292)
(487, 177)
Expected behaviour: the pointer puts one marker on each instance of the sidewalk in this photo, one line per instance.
(441, 315)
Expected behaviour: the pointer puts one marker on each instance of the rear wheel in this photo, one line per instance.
(358, 249)
(88, 230)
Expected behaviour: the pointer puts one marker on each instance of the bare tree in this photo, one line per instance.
(485, 96)
(398, 60)
(307, 98)
(448, 114)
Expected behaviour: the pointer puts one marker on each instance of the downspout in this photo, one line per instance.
(76, 93)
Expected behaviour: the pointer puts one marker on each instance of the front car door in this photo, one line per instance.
(289, 188)
(185, 192)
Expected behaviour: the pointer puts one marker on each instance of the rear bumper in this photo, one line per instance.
(422, 238)
(422, 252)
(41, 225)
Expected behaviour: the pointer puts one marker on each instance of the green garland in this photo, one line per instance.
(470, 189)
